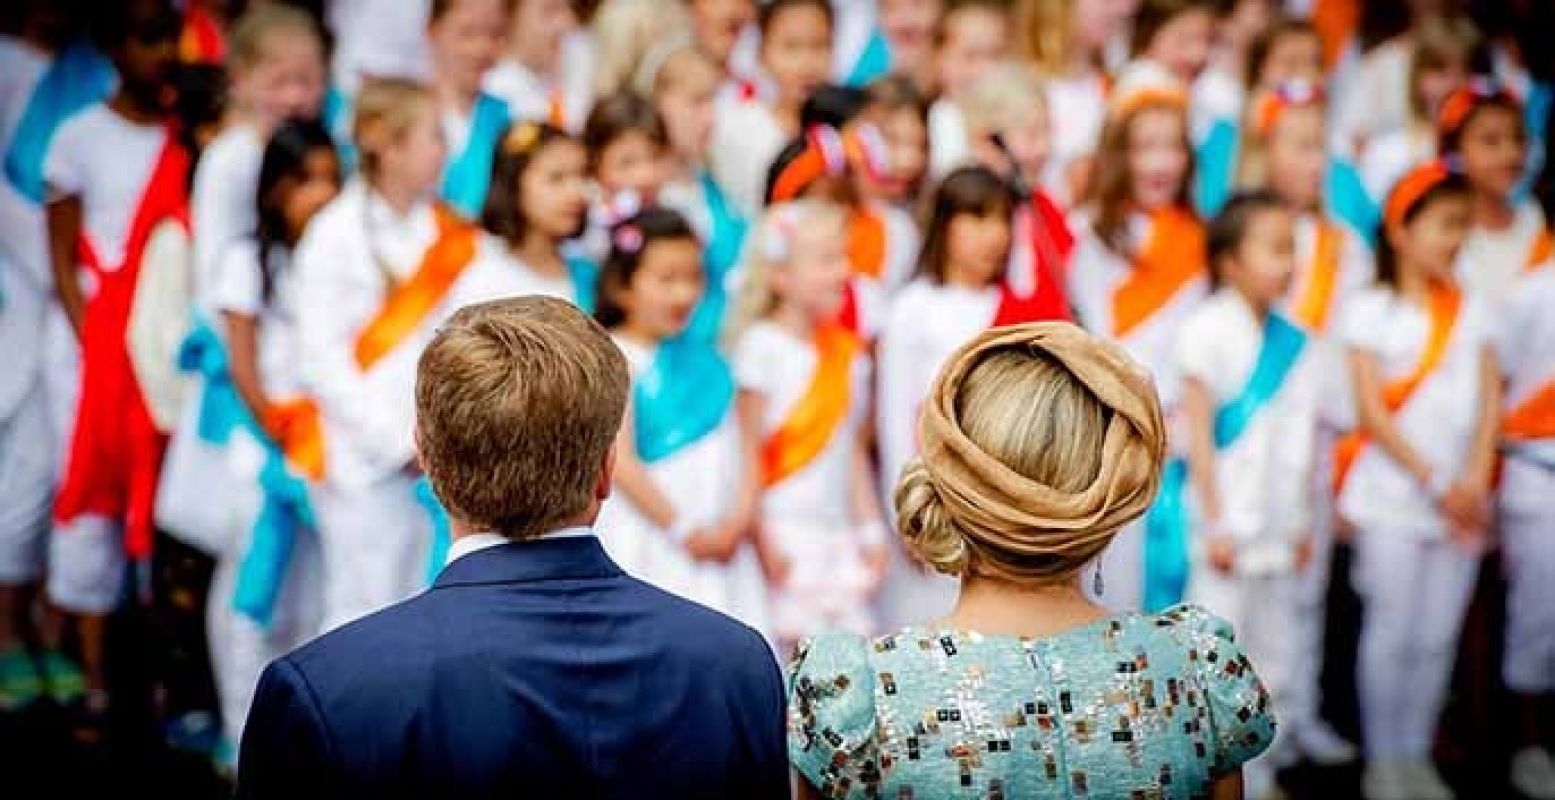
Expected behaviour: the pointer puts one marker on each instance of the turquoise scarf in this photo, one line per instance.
(873, 62)
(78, 77)
(725, 242)
(466, 177)
(684, 396)
(1168, 525)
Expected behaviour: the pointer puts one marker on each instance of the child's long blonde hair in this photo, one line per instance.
(1005, 89)
(769, 246)
(626, 31)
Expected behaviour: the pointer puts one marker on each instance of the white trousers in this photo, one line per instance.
(86, 565)
(240, 648)
(1415, 591)
(1529, 541)
(27, 449)
(376, 542)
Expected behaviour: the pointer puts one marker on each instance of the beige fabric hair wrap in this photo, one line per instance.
(1022, 530)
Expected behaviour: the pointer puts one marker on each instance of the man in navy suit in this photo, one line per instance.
(533, 667)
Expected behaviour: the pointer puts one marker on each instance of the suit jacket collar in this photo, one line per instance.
(570, 558)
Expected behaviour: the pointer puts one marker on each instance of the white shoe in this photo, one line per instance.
(1425, 783)
(1323, 746)
(1385, 780)
(1533, 773)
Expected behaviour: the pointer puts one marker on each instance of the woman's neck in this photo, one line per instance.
(1002, 608)
(540, 254)
(1493, 212)
(455, 95)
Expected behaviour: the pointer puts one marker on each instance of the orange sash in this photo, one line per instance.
(813, 421)
(1335, 21)
(1533, 418)
(1171, 258)
(1317, 294)
(556, 109)
(408, 304)
(296, 428)
(866, 243)
(1543, 247)
(1443, 308)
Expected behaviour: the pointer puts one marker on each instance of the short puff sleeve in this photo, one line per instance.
(831, 716)
(1241, 722)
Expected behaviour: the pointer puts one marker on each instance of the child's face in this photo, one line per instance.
(1432, 240)
(1157, 157)
(975, 39)
(1494, 148)
(1293, 58)
(1433, 85)
(1183, 43)
(630, 163)
(909, 26)
(907, 154)
(287, 81)
(977, 247)
(149, 55)
(1030, 140)
(1262, 267)
(467, 40)
(815, 277)
(416, 156)
(797, 52)
(538, 28)
(302, 198)
(1097, 21)
(717, 25)
(553, 190)
(665, 288)
(687, 110)
(1248, 19)
(1298, 157)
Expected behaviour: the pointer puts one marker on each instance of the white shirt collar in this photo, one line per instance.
(476, 542)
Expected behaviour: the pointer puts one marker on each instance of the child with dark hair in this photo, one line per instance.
(684, 514)
(1249, 401)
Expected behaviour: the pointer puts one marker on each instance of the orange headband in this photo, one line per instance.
(824, 154)
(1136, 99)
(1273, 104)
(1407, 192)
(1465, 100)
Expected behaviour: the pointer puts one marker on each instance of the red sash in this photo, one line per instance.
(1051, 244)
(115, 448)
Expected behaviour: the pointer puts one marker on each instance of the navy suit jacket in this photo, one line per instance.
(531, 669)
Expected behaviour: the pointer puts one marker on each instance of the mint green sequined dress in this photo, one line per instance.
(1133, 706)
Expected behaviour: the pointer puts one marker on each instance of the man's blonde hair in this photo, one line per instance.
(518, 402)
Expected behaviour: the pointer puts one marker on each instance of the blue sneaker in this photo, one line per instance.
(20, 683)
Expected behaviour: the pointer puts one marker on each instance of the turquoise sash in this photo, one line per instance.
(585, 281)
(466, 177)
(442, 531)
(683, 396)
(337, 118)
(78, 77)
(873, 63)
(1168, 525)
(285, 511)
(725, 242)
(1344, 195)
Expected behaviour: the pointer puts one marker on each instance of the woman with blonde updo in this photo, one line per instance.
(1039, 442)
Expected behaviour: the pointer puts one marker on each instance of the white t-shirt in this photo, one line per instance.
(529, 94)
(1438, 420)
(222, 207)
(1078, 107)
(1389, 157)
(926, 324)
(949, 146)
(105, 160)
(1490, 261)
(1376, 102)
(1525, 347)
(1261, 476)
(24, 243)
(1357, 270)
(774, 363)
(1217, 95)
(498, 273)
(239, 288)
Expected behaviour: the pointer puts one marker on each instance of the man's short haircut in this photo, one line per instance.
(518, 402)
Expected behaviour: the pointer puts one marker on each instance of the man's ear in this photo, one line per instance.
(607, 471)
(415, 438)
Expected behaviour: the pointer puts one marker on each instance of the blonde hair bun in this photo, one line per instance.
(1039, 442)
